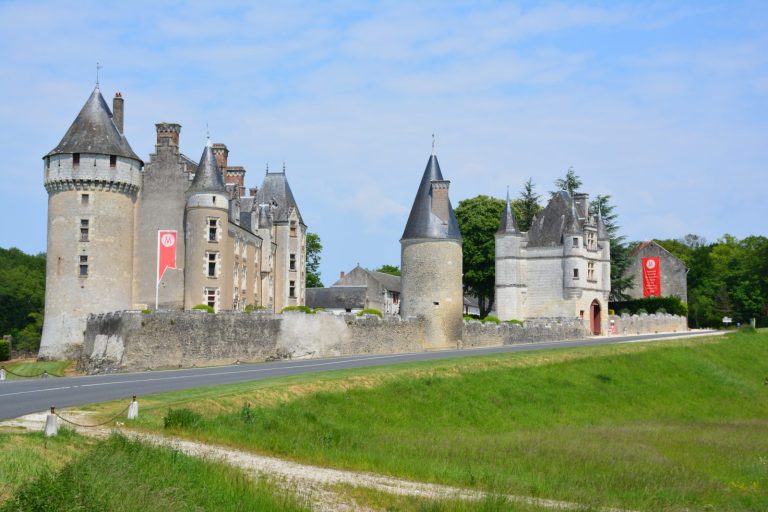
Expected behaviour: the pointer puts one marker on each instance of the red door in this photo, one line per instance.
(594, 317)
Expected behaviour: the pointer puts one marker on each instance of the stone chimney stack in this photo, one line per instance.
(221, 153)
(582, 204)
(440, 199)
(252, 191)
(117, 111)
(341, 275)
(168, 133)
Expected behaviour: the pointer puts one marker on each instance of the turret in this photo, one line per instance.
(574, 271)
(511, 288)
(92, 178)
(431, 262)
(207, 213)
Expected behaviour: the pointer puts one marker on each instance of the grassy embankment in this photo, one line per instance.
(70, 473)
(32, 369)
(672, 425)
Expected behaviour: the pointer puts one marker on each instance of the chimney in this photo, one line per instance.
(168, 133)
(341, 275)
(252, 191)
(117, 111)
(440, 199)
(221, 153)
(582, 204)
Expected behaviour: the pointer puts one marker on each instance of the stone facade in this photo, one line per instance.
(559, 268)
(104, 212)
(640, 324)
(673, 272)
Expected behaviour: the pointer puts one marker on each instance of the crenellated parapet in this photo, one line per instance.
(94, 172)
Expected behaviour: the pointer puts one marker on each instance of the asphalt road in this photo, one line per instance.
(27, 396)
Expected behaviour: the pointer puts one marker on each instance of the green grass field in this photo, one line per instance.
(118, 474)
(32, 369)
(675, 425)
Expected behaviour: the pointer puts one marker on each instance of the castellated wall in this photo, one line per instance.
(640, 324)
(132, 341)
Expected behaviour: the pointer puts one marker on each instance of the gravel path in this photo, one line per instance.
(310, 482)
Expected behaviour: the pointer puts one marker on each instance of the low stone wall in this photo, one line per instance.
(131, 340)
(648, 324)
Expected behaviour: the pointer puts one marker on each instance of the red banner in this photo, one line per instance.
(166, 252)
(651, 277)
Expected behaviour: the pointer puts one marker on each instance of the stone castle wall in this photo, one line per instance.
(131, 341)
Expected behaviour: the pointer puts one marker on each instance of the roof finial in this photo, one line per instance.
(267, 167)
(207, 136)
(433, 143)
(98, 67)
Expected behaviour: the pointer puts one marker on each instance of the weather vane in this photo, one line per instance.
(433, 143)
(98, 67)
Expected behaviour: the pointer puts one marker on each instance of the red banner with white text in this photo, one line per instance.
(651, 277)
(166, 252)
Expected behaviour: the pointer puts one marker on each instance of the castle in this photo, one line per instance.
(106, 210)
(560, 267)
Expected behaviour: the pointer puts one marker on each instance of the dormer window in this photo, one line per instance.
(575, 241)
(75, 158)
(113, 160)
(293, 229)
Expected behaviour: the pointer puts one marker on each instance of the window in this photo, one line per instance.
(591, 271)
(85, 199)
(293, 229)
(47, 162)
(395, 298)
(213, 229)
(83, 266)
(112, 160)
(292, 289)
(575, 241)
(292, 262)
(575, 273)
(75, 158)
(211, 259)
(83, 230)
(209, 296)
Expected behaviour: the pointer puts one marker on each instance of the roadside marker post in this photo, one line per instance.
(51, 424)
(133, 409)
(2, 373)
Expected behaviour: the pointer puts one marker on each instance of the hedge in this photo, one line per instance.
(5, 350)
(651, 305)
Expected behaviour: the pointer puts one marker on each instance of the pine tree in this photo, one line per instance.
(570, 183)
(527, 206)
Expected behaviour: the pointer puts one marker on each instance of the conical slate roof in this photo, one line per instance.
(93, 131)
(602, 233)
(275, 188)
(508, 224)
(573, 226)
(422, 223)
(208, 177)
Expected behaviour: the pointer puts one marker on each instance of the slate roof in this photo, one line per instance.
(549, 225)
(602, 233)
(351, 297)
(208, 177)
(93, 131)
(508, 222)
(387, 281)
(275, 187)
(422, 223)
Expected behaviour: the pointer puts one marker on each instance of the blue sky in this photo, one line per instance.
(663, 105)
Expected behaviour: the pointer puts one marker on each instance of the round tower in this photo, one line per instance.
(431, 262)
(207, 212)
(92, 178)
(511, 288)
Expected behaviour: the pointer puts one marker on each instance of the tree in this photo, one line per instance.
(478, 220)
(313, 261)
(571, 183)
(527, 206)
(22, 296)
(389, 269)
(620, 252)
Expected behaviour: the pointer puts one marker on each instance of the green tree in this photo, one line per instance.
(527, 206)
(22, 295)
(570, 183)
(389, 269)
(313, 261)
(620, 251)
(478, 220)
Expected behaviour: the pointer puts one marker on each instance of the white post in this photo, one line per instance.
(2, 373)
(51, 425)
(133, 409)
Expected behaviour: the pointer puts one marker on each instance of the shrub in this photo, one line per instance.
(641, 311)
(490, 319)
(316, 310)
(204, 307)
(146, 311)
(661, 311)
(671, 305)
(250, 308)
(305, 309)
(370, 311)
(467, 318)
(747, 329)
(181, 418)
(5, 350)
(514, 322)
